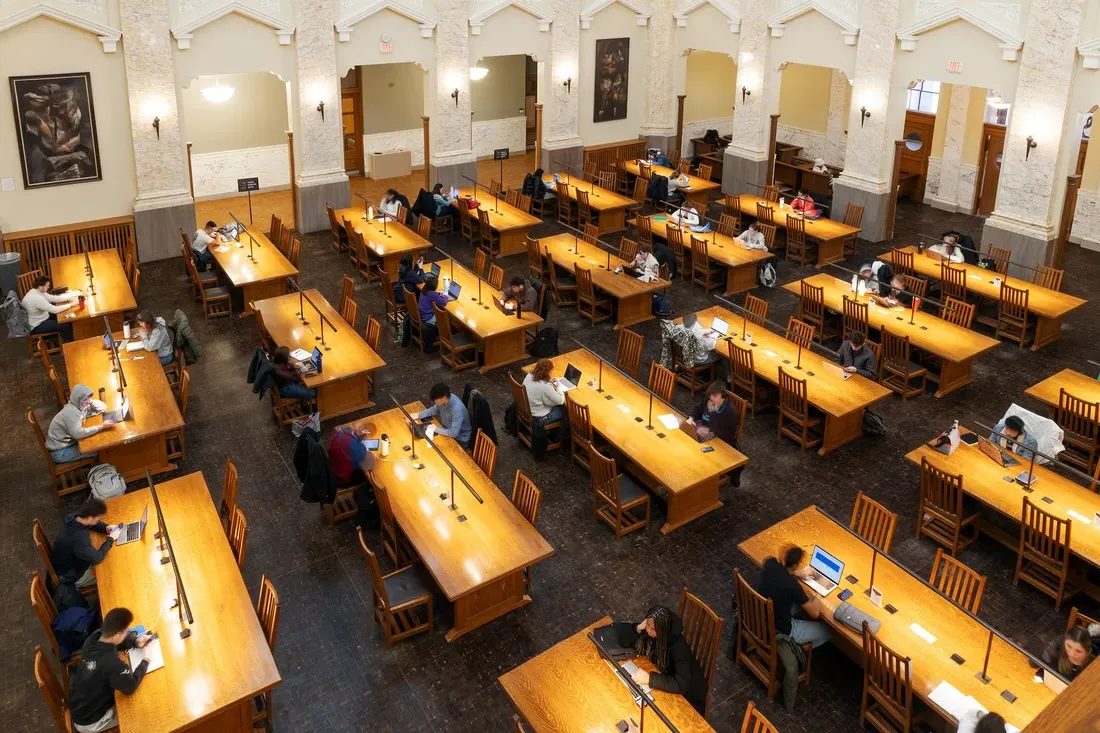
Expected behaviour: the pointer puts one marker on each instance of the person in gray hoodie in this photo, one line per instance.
(67, 427)
(155, 337)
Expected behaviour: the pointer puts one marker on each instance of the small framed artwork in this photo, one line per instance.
(56, 129)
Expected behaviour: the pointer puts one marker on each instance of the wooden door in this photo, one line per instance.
(351, 113)
(914, 162)
(530, 86)
(989, 173)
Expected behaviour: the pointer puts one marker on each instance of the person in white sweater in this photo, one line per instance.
(687, 216)
(752, 238)
(42, 308)
(948, 249)
(707, 339)
(645, 264)
(390, 203)
(547, 403)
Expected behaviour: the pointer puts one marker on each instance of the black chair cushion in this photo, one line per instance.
(218, 292)
(566, 281)
(406, 585)
(629, 489)
(462, 339)
(208, 277)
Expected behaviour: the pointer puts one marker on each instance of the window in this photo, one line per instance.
(996, 113)
(924, 97)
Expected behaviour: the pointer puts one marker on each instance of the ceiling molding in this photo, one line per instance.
(346, 25)
(1009, 43)
(778, 22)
(490, 9)
(184, 33)
(732, 15)
(642, 12)
(107, 35)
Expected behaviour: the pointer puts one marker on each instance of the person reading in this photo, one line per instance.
(644, 265)
(659, 638)
(155, 337)
(752, 238)
(100, 673)
(67, 427)
(200, 245)
(1073, 651)
(287, 377)
(805, 203)
(856, 357)
(520, 291)
(714, 416)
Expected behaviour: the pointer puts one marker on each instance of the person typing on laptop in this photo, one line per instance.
(429, 296)
(521, 291)
(451, 413)
(74, 556)
(795, 611)
(547, 403)
(1013, 436)
(714, 416)
(856, 358)
(101, 673)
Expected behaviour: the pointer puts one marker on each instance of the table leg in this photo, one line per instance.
(684, 506)
(841, 430)
(635, 309)
(134, 458)
(491, 601)
(505, 348)
(740, 278)
(829, 251)
(613, 220)
(953, 376)
(343, 396)
(1047, 330)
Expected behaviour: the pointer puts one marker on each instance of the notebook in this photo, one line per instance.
(151, 652)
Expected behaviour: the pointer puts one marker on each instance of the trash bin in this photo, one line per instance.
(9, 273)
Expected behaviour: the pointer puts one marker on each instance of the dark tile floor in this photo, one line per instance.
(337, 673)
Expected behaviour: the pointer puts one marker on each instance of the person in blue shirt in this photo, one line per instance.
(656, 157)
(1015, 437)
(452, 415)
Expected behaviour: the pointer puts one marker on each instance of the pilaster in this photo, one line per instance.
(562, 142)
(834, 126)
(452, 131)
(660, 102)
(947, 194)
(744, 169)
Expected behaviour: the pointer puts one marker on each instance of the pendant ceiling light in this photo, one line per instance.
(217, 93)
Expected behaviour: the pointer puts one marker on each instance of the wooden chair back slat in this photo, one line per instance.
(661, 381)
(958, 582)
(702, 630)
(1047, 277)
(873, 522)
(901, 262)
(754, 721)
(485, 453)
(267, 610)
(526, 497)
(238, 535)
(958, 312)
(887, 684)
(51, 691)
(757, 309)
(765, 214)
(855, 318)
(628, 355)
(800, 332)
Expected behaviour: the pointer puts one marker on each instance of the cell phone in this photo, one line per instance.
(370, 444)
(425, 421)
(708, 449)
(845, 594)
(622, 726)
(969, 439)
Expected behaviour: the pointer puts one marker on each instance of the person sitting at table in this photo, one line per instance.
(979, 721)
(685, 216)
(200, 245)
(805, 203)
(659, 638)
(1011, 434)
(521, 291)
(949, 248)
(876, 276)
(409, 275)
(100, 673)
(795, 612)
(665, 256)
(442, 200)
(429, 296)
(42, 308)
(675, 182)
(856, 358)
(1072, 652)
(348, 459)
(287, 377)
(547, 403)
(714, 416)
(535, 187)
(389, 203)
(67, 427)
(820, 167)
(706, 339)
(644, 264)
(452, 415)
(656, 157)
(74, 555)
(898, 292)
(752, 238)
(154, 336)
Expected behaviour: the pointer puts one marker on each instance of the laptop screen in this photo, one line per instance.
(145, 517)
(720, 326)
(572, 374)
(435, 269)
(454, 289)
(826, 564)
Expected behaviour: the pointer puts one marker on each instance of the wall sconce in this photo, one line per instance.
(321, 109)
(745, 93)
(863, 115)
(454, 96)
(568, 84)
(156, 126)
(1031, 145)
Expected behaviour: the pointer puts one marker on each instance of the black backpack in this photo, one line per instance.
(546, 344)
(873, 423)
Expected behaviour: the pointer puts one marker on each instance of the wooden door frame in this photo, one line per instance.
(357, 94)
(979, 182)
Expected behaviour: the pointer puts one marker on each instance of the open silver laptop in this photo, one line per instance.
(570, 380)
(132, 531)
(826, 572)
(720, 327)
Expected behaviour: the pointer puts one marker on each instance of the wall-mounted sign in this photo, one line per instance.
(955, 67)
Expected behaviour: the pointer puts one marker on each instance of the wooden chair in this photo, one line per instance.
(347, 291)
(267, 611)
(42, 544)
(1012, 320)
(59, 389)
(645, 171)
(794, 408)
(873, 522)
(853, 217)
(1000, 257)
(466, 226)
(617, 499)
(510, 197)
(887, 686)
(628, 355)
(641, 203)
(580, 431)
(485, 453)
(916, 285)
(811, 308)
(608, 180)
(46, 611)
(695, 377)
(675, 237)
(457, 348)
(645, 229)
(590, 305)
(229, 494)
(771, 193)
(940, 509)
(65, 478)
(765, 214)
(481, 259)
(800, 332)
(285, 410)
(496, 277)
(958, 312)
(276, 228)
(953, 281)
(1079, 620)
(199, 280)
(535, 262)
(54, 695)
(372, 334)
(524, 428)
(854, 318)
(283, 242)
(898, 369)
(704, 171)
(563, 287)
(702, 630)
(768, 230)
(423, 227)
(628, 249)
(177, 447)
(25, 281)
(565, 206)
(957, 581)
(416, 324)
(1047, 277)
(901, 262)
(757, 309)
(523, 203)
(401, 601)
(754, 640)
(339, 239)
(661, 381)
(798, 247)
(728, 225)
(394, 543)
(743, 375)
(705, 271)
(238, 535)
(590, 171)
(1080, 423)
(733, 207)
(754, 721)
(490, 238)
(215, 299)
(1043, 556)
(393, 310)
(591, 233)
(350, 313)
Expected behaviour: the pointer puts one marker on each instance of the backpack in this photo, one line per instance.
(873, 423)
(72, 627)
(767, 275)
(662, 306)
(546, 344)
(106, 482)
(16, 317)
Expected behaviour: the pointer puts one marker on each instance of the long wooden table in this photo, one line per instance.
(633, 297)
(1049, 306)
(828, 234)
(342, 386)
(842, 401)
(660, 457)
(264, 278)
(1075, 383)
(477, 552)
(503, 337)
(112, 298)
(569, 688)
(389, 240)
(955, 346)
(140, 442)
(740, 262)
(955, 631)
(985, 481)
(696, 191)
(511, 223)
(609, 206)
(208, 679)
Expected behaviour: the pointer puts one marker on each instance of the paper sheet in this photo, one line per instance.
(134, 346)
(300, 354)
(770, 353)
(922, 633)
(624, 408)
(671, 422)
(1078, 517)
(950, 699)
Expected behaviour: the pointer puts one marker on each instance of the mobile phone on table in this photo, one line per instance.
(708, 449)
(845, 594)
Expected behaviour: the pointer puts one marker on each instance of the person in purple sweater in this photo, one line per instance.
(429, 297)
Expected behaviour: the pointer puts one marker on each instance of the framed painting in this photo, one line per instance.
(55, 120)
(612, 79)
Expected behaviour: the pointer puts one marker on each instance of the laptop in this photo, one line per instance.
(720, 327)
(688, 428)
(116, 416)
(570, 380)
(826, 571)
(132, 531)
(454, 290)
(837, 370)
(435, 269)
(991, 449)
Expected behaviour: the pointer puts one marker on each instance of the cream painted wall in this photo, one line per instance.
(711, 79)
(939, 132)
(1090, 176)
(510, 32)
(501, 93)
(813, 39)
(393, 97)
(982, 66)
(708, 29)
(70, 50)
(616, 21)
(207, 55)
(804, 97)
(235, 124)
(365, 45)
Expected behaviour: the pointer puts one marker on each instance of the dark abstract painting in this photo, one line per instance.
(612, 79)
(57, 134)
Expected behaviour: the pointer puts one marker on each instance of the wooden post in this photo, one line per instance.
(538, 136)
(293, 189)
(427, 154)
(190, 172)
(771, 148)
(680, 123)
(1065, 226)
(892, 201)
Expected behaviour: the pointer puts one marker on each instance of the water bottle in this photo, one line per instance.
(855, 279)
(862, 289)
(384, 445)
(125, 329)
(782, 201)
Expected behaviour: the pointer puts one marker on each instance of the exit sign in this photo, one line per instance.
(955, 67)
